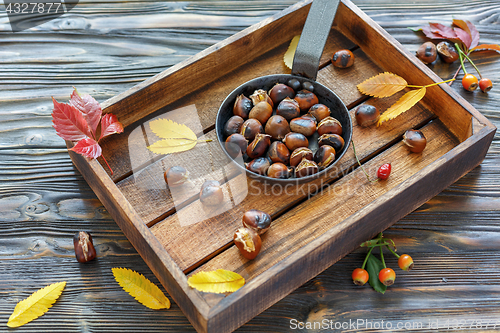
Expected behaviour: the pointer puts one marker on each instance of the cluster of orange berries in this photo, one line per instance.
(386, 275)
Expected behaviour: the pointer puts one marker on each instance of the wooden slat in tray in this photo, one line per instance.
(207, 100)
(188, 246)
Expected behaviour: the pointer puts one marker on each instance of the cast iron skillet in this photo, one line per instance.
(305, 68)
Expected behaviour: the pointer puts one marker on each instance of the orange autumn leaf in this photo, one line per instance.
(403, 104)
(382, 85)
(486, 47)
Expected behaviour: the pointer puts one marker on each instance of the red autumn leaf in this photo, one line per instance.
(427, 32)
(110, 125)
(69, 123)
(470, 28)
(89, 107)
(486, 47)
(464, 37)
(88, 147)
(442, 30)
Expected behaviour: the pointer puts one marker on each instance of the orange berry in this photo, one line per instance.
(387, 276)
(359, 276)
(469, 82)
(405, 262)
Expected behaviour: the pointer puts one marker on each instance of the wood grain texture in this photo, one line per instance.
(106, 48)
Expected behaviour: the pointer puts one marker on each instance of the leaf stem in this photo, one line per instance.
(429, 85)
(393, 252)
(473, 65)
(359, 163)
(460, 52)
(382, 256)
(111, 170)
(366, 258)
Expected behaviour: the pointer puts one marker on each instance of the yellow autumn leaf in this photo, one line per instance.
(176, 137)
(290, 52)
(35, 305)
(219, 281)
(403, 104)
(382, 85)
(139, 287)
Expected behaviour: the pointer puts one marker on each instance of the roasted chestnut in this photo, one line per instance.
(211, 193)
(84, 247)
(279, 171)
(176, 175)
(277, 127)
(334, 140)
(259, 145)
(324, 156)
(427, 52)
(250, 128)
(257, 220)
(329, 125)
(299, 154)
(262, 111)
(279, 153)
(261, 95)
(306, 99)
(294, 84)
(343, 59)
(288, 109)
(295, 140)
(279, 92)
(308, 86)
(236, 144)
(303, 125)
(258, 165)
(447, 52)
(248, 242)
(366, 115)
(306, 168)
(415, 140)
(233, 125)
(242, 106)
(319, 111)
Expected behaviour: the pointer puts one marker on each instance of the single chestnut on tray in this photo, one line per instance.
(248, 242)
(257, 220)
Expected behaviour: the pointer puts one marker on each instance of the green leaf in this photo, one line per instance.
(374, 266)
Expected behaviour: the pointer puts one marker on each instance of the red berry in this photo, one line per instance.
(387, 276)
(384, 171)
(359, 276)
(405, 262)
(469, 82)
(485, 85)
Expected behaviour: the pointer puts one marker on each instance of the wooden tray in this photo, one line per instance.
(314, 224)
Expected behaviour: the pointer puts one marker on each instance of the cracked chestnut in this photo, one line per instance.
(279, 153)
(233, 125)
(447, 52)
(257, 220)
(211, 193)
(324, 156)
(84, 247)
(259, 145)
(334, 140)
(329, 125)
(248, 242)
(279, 92)
(277, 127)
(295, 140)
(242, 106)
(176, 175)
(258, 165)
(236, 144)
(415, 140)
(262, 111)
(288, 109)
(299, 154)
(306, 99)
(260, 95)
(250, 128)
(306, 168)
(303, 125)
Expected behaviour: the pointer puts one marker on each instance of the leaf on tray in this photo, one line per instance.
(290, 52)
(88, 147)
(403, 104)
(35, 305)
(110, 125)
(176, 137)
(139, 287)
(486, 47)
(382, 85)
(373, 267)
(219, 281)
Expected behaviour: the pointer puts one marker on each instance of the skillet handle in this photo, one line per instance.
(313, 38)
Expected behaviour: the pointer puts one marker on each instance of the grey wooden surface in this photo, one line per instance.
(106, 47)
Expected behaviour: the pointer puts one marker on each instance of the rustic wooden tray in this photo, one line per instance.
(314, 224)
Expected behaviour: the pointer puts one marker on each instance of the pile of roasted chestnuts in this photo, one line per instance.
(273, 131)
(247, 238)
